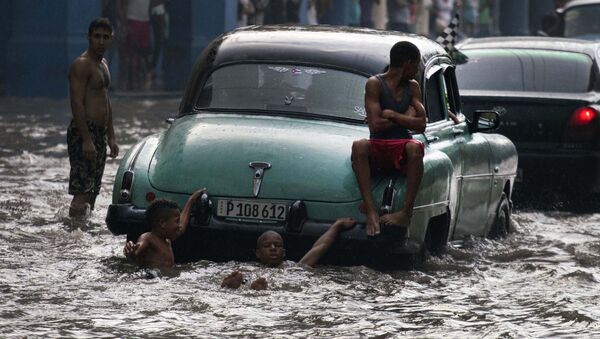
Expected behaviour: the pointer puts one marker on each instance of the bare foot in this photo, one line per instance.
(400, 218)
(372, 224)
(80, 211)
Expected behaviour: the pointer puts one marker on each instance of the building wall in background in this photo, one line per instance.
(40, 39)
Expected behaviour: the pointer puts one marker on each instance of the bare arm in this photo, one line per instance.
(142, 245)
(322, 244)
(187, 211)
(112, 141)
(79, 75)
(453, 117)
(134, 250)
(129, 251)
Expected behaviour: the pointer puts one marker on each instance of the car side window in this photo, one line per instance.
(450, 89)
(435, 100)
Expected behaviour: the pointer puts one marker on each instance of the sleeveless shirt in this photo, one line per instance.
(387, 101)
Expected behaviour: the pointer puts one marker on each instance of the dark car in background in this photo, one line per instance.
(580, 19)
(547, 93)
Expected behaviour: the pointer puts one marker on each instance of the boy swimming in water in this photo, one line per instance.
(154, 249)
(270, 251)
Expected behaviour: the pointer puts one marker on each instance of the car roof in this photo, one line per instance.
(533, 42)
(577, 3)
(362, 50)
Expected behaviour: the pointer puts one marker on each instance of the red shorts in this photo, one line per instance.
(138, 37)
(387, 155)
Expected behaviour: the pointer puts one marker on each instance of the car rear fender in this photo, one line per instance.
(433, 195)
(136, 160)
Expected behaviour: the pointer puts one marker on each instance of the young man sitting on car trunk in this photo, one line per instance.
(393, 106)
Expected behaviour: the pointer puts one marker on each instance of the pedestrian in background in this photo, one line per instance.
(422, 17)
(311, 13)
(399, 15)
(138, 45)
(441, 15)
(159, 18)
(470, 17)
(485, 18)
(259, 12)
(91, 128)
(353, 13)
(366, 12)
(245, 12)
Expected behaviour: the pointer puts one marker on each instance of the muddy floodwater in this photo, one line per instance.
(60, 278)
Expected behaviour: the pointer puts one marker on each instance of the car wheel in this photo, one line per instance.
(501, 226)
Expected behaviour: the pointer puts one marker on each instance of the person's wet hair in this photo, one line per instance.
(262, 237)
(103, 23)
(402, 52)
(159, 210)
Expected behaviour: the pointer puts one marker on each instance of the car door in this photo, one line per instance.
(441, 133)
(475, 183)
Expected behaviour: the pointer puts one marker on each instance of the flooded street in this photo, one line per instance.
(63, 279)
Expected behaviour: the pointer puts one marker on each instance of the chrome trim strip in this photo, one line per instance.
(442, 203)
(134, 158)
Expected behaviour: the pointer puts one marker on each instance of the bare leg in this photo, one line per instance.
(79, 205)
(360, 164)
(92, 200)
(414, 174)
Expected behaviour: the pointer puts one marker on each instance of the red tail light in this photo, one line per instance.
(583, 129)
(583, 116)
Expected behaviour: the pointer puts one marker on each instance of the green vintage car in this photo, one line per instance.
(266, 124)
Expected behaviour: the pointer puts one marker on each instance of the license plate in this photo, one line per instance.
(251, 209)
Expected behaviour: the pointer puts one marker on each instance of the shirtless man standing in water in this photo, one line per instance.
(91, 128)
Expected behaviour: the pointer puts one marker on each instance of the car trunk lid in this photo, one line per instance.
(310, 159)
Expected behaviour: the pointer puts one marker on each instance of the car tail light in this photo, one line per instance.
(583, 116)
(126, 185)
(583, 128)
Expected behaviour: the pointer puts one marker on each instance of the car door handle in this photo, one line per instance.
(431, 138)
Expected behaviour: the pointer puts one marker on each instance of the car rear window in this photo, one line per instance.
(525, 70)
(285, 88)
(582, 22)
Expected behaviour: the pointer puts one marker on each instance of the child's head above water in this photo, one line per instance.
(163, 217)
(269, 248)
